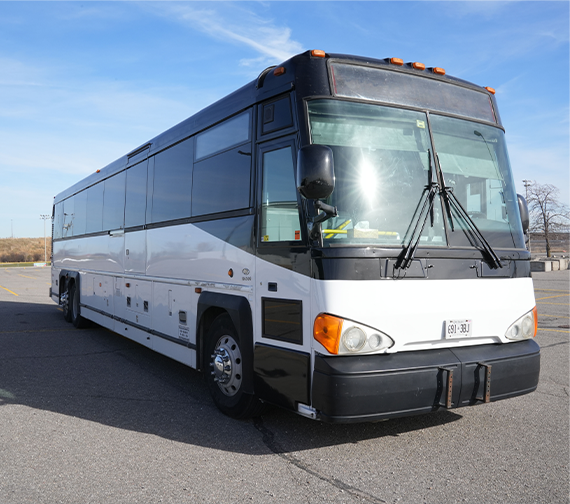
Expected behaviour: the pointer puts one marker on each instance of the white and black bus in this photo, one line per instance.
(341, 237)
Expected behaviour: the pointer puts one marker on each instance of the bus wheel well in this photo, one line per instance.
(205, 323)
(65, 284)
(67, 280)
(210, 306)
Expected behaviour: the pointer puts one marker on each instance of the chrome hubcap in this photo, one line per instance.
(226, 364)
(65, 302)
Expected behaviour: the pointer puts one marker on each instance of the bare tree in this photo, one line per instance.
(547, 214)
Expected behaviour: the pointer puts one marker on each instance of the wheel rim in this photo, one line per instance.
(227, 366)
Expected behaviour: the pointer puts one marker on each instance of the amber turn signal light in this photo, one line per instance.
(327, 331)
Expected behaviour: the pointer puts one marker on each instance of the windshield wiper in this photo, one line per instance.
(472, 231)
(451, 204)
(419, 218)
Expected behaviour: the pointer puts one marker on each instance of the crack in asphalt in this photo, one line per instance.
(268, 438)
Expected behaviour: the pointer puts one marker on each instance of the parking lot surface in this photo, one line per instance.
(88, 416)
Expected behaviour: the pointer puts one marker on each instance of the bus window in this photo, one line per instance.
(68, 215)
(172, 182)
(114, 202)
(232, 132)
(135, 200)
(279, 209)
(80, 220)
(94, 221)
(475, 164)
(58, 221)
(222, 182)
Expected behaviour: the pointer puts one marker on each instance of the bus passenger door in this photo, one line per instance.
(282, 287)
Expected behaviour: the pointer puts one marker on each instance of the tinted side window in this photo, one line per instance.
(114, 202)
(80, 220)
(172, 182)
(135, 203)
(68, 216)
(232, 132)
(94, 220)
(58, 221)
(279, 209)
(222, 182)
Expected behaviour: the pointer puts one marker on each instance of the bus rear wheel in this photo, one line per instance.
(65, 304)
(225, 371)
(75, 309)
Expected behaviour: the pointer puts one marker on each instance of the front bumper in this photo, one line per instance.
(374, 387)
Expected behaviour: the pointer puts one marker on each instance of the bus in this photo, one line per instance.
(340, 237)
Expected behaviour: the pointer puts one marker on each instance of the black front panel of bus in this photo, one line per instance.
(378, 268)
(281, 376)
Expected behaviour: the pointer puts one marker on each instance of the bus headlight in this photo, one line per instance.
(523, 328)
(340, 336)
(353, 339)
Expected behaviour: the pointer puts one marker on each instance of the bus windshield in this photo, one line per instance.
(382, 167)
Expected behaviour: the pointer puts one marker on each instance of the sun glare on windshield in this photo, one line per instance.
(367, 181)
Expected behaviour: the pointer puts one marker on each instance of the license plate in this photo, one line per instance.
(458, 328)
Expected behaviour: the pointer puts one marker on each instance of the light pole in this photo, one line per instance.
(45, 217)
(527, 184)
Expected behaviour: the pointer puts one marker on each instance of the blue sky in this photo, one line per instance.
(82, 83)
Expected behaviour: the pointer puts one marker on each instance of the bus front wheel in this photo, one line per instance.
(225, 371)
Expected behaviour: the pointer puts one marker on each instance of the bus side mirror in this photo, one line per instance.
(523, 209)
(315, 171)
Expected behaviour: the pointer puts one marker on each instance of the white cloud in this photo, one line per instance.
(232, 23)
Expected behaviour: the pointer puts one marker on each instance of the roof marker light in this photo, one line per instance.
(397, 61)
(317, 53)
(438, 70)
(279, 71)
(418, 66)
(490, 89)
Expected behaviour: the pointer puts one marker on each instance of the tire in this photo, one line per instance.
(75, 309)
(224, 371)
(65, 304)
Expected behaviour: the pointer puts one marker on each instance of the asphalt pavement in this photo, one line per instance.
(87, 416)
